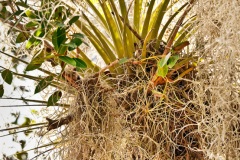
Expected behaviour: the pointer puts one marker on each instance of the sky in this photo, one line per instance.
(8, 146)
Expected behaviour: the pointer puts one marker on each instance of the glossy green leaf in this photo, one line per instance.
(43, 84)
(68, 60)
(58, 37)
(62, 49)
(30, 14)
(21, 37)
(38, 59)
(39, 32)
(74, 61)
(1, 90)
(162, 71)
(74, 44)
(172, 61)
(80, 63)
(52, 100)
(31, 67)
(78, 35)
(36, 62)
(7, 76)
(77, 41)
(31, 24)
(73, 20)
(164, 60)
(71, 46)
(30, 42)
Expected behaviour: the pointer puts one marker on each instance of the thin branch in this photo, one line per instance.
(19, 127)
(42, 153)
(23, 105)
(36, 101)
(31, 129)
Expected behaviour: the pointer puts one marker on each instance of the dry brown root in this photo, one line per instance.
(120, 118)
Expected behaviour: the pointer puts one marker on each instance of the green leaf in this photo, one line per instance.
(73, 61)
(137, 14)
(31, 24)
(71, 46)
(21, 37)
(17, 13)
(75, 41)
(164, 60)
(58, 37)
(43, 84)
(30, 42)
(1, 90)
(39, 32)
(36, 62)
(7, 76)
(68, 60)
(172, 61)
(114, 30)
(80, 63)
(160, 12)
(147, 19)
(31, 67)
(37, 42)
(78, 35)
(73, 20)
(162, 71)
(52, 100)
(62, 49)
(30, 14)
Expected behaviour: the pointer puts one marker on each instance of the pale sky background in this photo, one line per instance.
(7, 146)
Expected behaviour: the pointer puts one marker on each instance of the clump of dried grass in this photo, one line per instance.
(217, 92)
(121, 118)
(193, 118)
